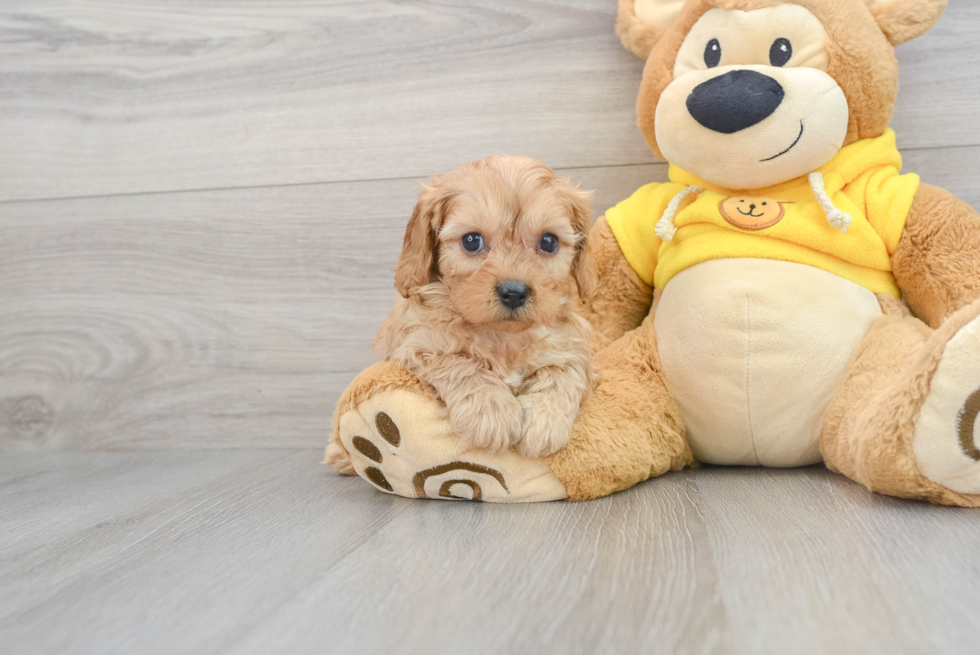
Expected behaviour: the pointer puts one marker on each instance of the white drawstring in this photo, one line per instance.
(665, 226)
(838, 219)
(835, 217)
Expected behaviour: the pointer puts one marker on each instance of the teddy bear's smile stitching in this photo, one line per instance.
(798, 137)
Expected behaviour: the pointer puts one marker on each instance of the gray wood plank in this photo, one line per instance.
(932, 109)
(717, 560)
(134, 96)
(882, 574)
(272, 553)
(223, 318)
(225, 544)
(83, 493)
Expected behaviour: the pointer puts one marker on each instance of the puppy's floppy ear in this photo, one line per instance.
(641, 23)
(903, 20)
(417, 265)
(580, 210)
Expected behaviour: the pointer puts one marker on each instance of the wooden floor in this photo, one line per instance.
(200, 206)
(263, 551)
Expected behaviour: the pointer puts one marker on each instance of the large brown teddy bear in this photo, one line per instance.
(788, 297)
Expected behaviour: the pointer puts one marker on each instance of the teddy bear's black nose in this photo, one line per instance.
(513, 293)
(734, 101)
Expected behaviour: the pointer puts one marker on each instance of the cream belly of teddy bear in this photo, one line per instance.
(753, 350)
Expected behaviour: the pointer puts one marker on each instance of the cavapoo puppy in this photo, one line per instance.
(492, 270)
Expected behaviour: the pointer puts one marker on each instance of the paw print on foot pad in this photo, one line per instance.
(402, 444)
(435, 475)
(968, 426)
(947, 441)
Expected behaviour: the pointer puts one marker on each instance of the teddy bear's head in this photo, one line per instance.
(750, 93)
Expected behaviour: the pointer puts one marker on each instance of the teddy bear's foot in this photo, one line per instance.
(903, 421)
(399, 439)
(946, 442)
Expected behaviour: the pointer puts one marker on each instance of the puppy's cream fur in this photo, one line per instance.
(508, 377)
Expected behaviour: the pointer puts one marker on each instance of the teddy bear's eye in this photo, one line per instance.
(781, 52)
(473, 242)
(712, 53)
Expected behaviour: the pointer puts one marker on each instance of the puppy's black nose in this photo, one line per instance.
(734, 101)
(513, 293)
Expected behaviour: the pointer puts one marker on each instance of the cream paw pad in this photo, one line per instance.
(947, 435)
(400, 441)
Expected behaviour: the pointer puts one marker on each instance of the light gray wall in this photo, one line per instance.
(201, 203)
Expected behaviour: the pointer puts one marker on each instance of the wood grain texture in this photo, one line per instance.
(266, 551)
(215, 319)
(242, 172)
(223, 318)
(235, 317)
(205, 523)
(132, 96)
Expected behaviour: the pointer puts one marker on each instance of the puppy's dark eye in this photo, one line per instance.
(712, 53)
(549, 244)
(472, 242)
(781, 52)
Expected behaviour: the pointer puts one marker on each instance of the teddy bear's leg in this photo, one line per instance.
(390, 430)
(903, 422)
(629, 430)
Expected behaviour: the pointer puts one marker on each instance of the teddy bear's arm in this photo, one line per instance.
(937, 262)
(621, 300)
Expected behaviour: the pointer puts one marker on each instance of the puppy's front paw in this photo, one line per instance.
(489, 419)
(338, 459)
(547, 427)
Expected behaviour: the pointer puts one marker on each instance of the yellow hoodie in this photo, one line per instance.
(785, 222)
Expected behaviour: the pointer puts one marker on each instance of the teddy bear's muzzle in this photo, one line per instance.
(735, 101)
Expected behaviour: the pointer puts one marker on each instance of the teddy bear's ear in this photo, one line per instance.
(641, 23)
(903, 20)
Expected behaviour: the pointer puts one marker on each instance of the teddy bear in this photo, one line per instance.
(788, 297)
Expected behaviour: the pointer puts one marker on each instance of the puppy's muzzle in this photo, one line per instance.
(513, 294)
